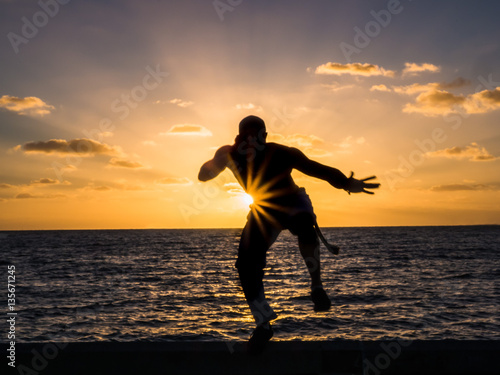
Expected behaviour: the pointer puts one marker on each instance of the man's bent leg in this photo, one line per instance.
(302, 225)
(310, 253)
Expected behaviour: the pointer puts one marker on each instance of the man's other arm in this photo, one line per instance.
(314, 169)
(332, 175)
(214, 167)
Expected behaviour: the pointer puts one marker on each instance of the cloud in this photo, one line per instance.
(124, 185)
(47, 182)
(309, 144)
(349, 141)
(98, 188)
(26, 196)
(332, 68)
(435, 103)
(433, 98)
(415, 88)
(174, 181)
(298, 140)
(232, 186)
(39, 182)
(181, 103)
(414, 69)
(105, 134)
(30, 105)
(483, 101)
(457, 82)
(336, 86)
(462, 187)
(473, 152)
(149, 143)
(63, 168)
(188, 129)
(33, 196)
(121, 163)
(380, 88)
(249, 106)
(44, 181)
(62, 147)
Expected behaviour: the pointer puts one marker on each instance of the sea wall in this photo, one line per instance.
(285, 357)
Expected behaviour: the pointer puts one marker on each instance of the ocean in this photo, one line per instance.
(177, 285)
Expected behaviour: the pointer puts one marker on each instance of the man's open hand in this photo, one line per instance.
(360, 186)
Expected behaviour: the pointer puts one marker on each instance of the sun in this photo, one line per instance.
(247, 198)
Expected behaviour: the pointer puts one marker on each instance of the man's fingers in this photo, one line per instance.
(360, 186)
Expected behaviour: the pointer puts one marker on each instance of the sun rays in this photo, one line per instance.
(260, 191)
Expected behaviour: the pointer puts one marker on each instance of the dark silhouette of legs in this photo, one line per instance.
(302, 225)
(255, 241)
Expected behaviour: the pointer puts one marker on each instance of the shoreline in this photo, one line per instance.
(281, 357)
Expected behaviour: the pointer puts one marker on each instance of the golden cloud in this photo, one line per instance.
(379, 88)
(349, 141)
(32, 196)
(98, 188)
(188, 129)
(249, 106)
(473, 152)
(44, 181)
(30, 105)
(309, 144)
(231, 185)
(415, 88)
(462, 187)
(336, 86)
(237, 190)
(181, 103)
(413, 68)
(121, 163)
(174, 181)
(332, 68)
(483, 101)
(62, 147)
(435, 102)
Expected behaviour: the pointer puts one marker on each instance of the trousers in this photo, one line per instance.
(260, 232)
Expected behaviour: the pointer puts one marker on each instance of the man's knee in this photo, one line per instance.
(302, 225)
(249, 265)
(309, 237)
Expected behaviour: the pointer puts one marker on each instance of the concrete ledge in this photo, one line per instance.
(286, 357)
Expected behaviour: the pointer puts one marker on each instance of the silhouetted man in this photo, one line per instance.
(264, 171)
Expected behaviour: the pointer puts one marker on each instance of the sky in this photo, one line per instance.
(109, 108)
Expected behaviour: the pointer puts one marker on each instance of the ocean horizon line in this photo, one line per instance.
(240, 228)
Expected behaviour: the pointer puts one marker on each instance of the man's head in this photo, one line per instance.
(252, 127)
(251, 124)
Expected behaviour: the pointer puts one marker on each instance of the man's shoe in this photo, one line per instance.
(260, 337)
(321, 300)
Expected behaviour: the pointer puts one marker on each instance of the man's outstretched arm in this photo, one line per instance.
(214, 167)
(332, 175)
